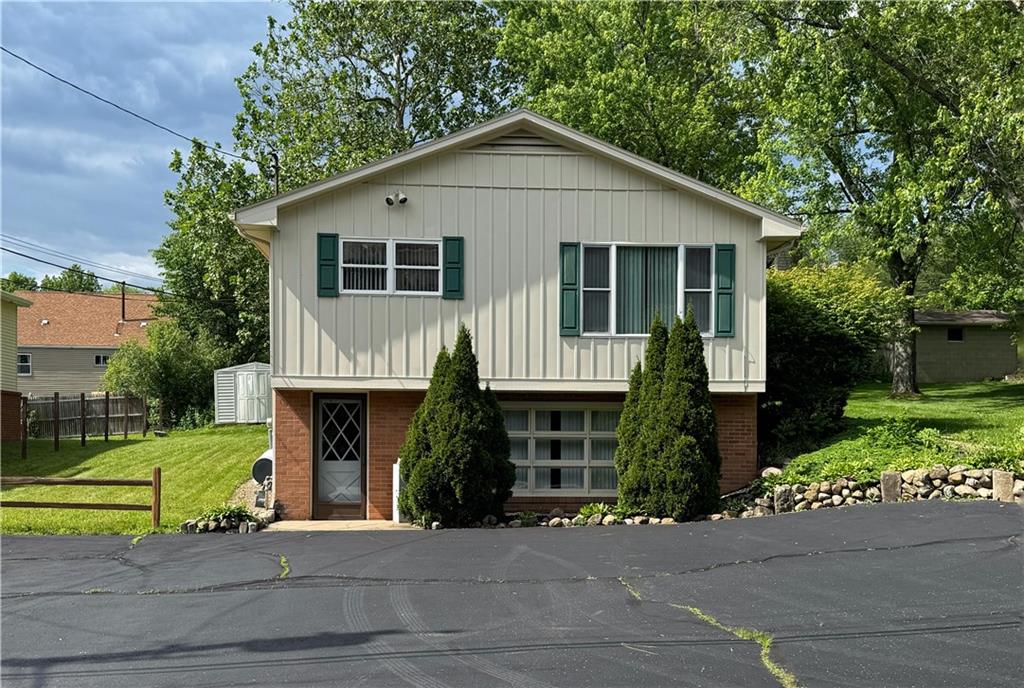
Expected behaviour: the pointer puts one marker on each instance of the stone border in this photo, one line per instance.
(937, 482)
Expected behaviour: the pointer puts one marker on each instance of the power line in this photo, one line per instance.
(123, 109)
(161, 292)
(26, 244)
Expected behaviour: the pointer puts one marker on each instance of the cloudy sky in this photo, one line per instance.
(82, 178)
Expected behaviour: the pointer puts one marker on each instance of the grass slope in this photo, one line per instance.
(200, 469)
(980, 424)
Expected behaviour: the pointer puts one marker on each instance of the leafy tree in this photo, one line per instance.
(455, 459)
(343, 83)
(825, 327)
(74, 278)
(216, 281)
(15, 281)
(656, 78)
(859, 137)
(173, 367)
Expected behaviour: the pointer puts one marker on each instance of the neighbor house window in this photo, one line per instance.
(24, 364)
(954, 334)
(391, 267)
(102, 359)
(567, 450)
(624, 286)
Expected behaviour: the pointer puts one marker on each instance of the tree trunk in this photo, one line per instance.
(904, 360)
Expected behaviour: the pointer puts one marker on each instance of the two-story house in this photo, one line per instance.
(556, 250)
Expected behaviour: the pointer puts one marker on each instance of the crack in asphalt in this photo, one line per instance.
(284, 579)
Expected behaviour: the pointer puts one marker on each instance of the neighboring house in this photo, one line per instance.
(555, 249)
(964, 346)
(10, 396)
(65, 340)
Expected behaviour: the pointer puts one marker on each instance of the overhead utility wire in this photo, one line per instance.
(161, 292)
(119, 107)
(28, 245)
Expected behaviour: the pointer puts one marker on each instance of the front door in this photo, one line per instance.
(340, 455)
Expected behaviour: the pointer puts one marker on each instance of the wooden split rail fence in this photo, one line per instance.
(153, 507)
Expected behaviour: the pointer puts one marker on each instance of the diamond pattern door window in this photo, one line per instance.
(339, 431)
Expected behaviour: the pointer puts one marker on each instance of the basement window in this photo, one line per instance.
(563, 450)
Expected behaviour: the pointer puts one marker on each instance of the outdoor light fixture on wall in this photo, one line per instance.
(397, 197)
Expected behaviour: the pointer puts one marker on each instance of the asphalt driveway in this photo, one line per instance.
(926, 594)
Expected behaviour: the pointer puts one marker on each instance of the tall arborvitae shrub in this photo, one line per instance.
(689, 448)
(667, 458)
(455, 460)
(636, 430)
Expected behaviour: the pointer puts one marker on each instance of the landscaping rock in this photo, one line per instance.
(938, 472)
(802, 506)
(857, 494)
(490, 520)
(825, 486)
(667, 521)
(579, 521)
(975, 473)
(984, 493)
(890, 486)
(640, 520)
(956, 478)
(594, 520)
(949, 491)
(972, 482)
(609, 520)
(817, 505)
(654, 521)
(243, 527)
(783, 499)
(555, 522)
(1018, 488)
(873, 493)
(556, 513)
(566, 522)
(986, 481)
(436, 525)
(836, 500)
(770, 470)
(1002, 486)
(849, 501)
(937, 494)
(628, 521)
(964, 491)
(515, 523)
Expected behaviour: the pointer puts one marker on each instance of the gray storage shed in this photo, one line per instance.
(242, 393)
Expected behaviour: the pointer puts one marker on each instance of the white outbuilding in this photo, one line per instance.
(242, 393)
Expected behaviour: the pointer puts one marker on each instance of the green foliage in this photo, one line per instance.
(588, 510)
(656, 78)
(455, 460)
(527, 519)
(237, 512)
(343, 83)
(670, 465)
(15, 281)
(824, 328)
(174, 367)
(217, 278)
(75, 278)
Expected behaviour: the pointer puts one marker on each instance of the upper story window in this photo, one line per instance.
(624, 286)
(391, 266)
(102, 359)
(24, 364)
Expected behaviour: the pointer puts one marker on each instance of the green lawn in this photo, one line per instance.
(200, 469)
(978, 424)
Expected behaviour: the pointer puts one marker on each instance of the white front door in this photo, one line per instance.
(340, 455)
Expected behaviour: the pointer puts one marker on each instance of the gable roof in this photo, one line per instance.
(263, 215)
(936, 317)
(83, 319)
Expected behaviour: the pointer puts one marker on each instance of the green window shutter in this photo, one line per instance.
(569, 297)
(725, 290)
(327, 264)
(454, 269)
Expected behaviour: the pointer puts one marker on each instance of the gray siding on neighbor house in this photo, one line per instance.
(985, 352)
(513, 208)
(68, 370)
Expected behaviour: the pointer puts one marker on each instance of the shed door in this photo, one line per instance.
(253, 398)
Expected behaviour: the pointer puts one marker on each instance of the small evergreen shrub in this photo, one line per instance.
(455, 460)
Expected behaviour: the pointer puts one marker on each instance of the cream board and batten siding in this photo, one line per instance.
(8, 346)
(513, 210)
(68, 370)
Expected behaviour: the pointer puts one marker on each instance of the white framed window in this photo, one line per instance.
(698, 271)
(102, 360)
(24, 364)
(624, 284)
(563, 449)
(391, 266)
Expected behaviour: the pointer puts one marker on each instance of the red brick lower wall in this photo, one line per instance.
(293, 462)
(388, 417)
(10, 416)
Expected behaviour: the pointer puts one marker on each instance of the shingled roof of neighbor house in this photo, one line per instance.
(981, 318)
(83, 319)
